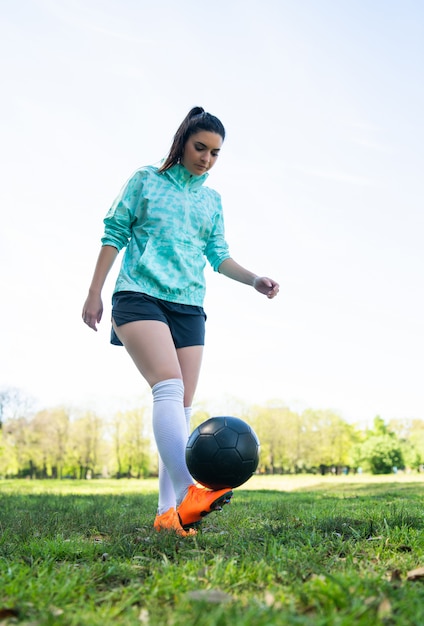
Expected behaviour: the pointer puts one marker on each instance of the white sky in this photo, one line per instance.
(321, 177)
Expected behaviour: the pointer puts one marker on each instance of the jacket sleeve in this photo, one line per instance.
(120, 217)
(217, 250)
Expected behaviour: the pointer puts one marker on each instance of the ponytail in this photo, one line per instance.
(197, 119)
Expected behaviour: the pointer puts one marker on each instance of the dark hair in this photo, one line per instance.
(196, 120)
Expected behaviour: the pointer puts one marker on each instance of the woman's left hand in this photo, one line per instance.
(267, 286)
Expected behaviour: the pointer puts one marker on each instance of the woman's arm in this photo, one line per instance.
(93, 307)
(232, 269)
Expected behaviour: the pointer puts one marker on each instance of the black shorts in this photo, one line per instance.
(186, 322)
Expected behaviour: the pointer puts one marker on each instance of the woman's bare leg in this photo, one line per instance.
(149, 343)
(190, 360)
(151, 347)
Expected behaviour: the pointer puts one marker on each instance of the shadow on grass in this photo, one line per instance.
(45, 515)
(76, 527)
(375, 489)
(361, 512)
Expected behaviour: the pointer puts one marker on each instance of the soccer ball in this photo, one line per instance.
(222, 452)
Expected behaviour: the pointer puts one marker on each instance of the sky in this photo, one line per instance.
(320, 175)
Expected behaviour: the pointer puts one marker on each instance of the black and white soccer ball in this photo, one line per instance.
(223, 452)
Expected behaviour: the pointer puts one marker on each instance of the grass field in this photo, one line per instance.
(298, 551)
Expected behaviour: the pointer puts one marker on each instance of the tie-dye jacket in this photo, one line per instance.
(170, 225)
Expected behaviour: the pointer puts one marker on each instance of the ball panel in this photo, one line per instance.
(202, 473)
(247, 446)
(211, 426)
(237, 424)
(204, 446)
(226, 438)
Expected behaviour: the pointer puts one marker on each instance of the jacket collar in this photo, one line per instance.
(183, 179)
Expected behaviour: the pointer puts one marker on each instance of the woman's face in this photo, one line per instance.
(201, 151)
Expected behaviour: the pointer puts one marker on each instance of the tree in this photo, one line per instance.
(416, 439)
(280, 434)
(17, 449)
(381, 450)
(85, 445)
(135, 448)
(330, 439)
(380, 427)
(14, 403)
(411, 433)
(52, 428)
(382, 453)
(117, 443)
(23, 440)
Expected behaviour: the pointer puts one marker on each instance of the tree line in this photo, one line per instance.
(60, 443)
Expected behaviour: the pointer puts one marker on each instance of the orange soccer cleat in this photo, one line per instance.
(200, 502)
(171, 522)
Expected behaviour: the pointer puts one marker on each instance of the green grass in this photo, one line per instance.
(298, 551)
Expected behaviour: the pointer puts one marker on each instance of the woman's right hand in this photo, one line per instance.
(92, 310)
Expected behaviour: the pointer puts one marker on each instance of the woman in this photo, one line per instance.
(170, 223)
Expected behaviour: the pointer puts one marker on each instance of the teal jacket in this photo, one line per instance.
(170, 224)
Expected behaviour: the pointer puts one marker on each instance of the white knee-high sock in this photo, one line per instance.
(170, 430)
(167, 497)
(188, 411)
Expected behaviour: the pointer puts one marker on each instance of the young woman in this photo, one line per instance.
(170, 224)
